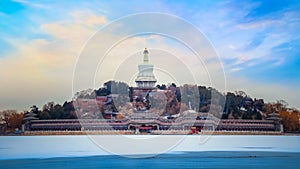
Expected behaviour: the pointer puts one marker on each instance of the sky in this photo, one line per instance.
(256, 47)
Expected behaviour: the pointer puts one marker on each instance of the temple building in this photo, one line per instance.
(145, 84)
(145, 78)
(277, 121)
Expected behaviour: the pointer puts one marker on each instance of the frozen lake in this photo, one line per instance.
(20, 147)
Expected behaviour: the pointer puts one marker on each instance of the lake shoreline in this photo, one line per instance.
(50, 133)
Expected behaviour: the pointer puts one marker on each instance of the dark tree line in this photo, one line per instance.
(113, 87)
(236, 105)
(55, 111)
(204, 99)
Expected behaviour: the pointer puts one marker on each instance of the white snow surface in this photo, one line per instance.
(20, 147)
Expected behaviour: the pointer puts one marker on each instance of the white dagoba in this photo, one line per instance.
(145, 78)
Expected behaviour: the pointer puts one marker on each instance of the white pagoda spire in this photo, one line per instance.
(146, 57)
(145, 78)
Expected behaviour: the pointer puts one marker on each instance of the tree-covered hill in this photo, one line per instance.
(232, 105)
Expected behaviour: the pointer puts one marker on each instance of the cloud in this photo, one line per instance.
(261, 24)
(41, 68)
(31, 4)
(88, 18)
(242, 40)
(236, 69)
(76, 29)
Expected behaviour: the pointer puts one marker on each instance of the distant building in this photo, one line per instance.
(145, 121)
(276, 120)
